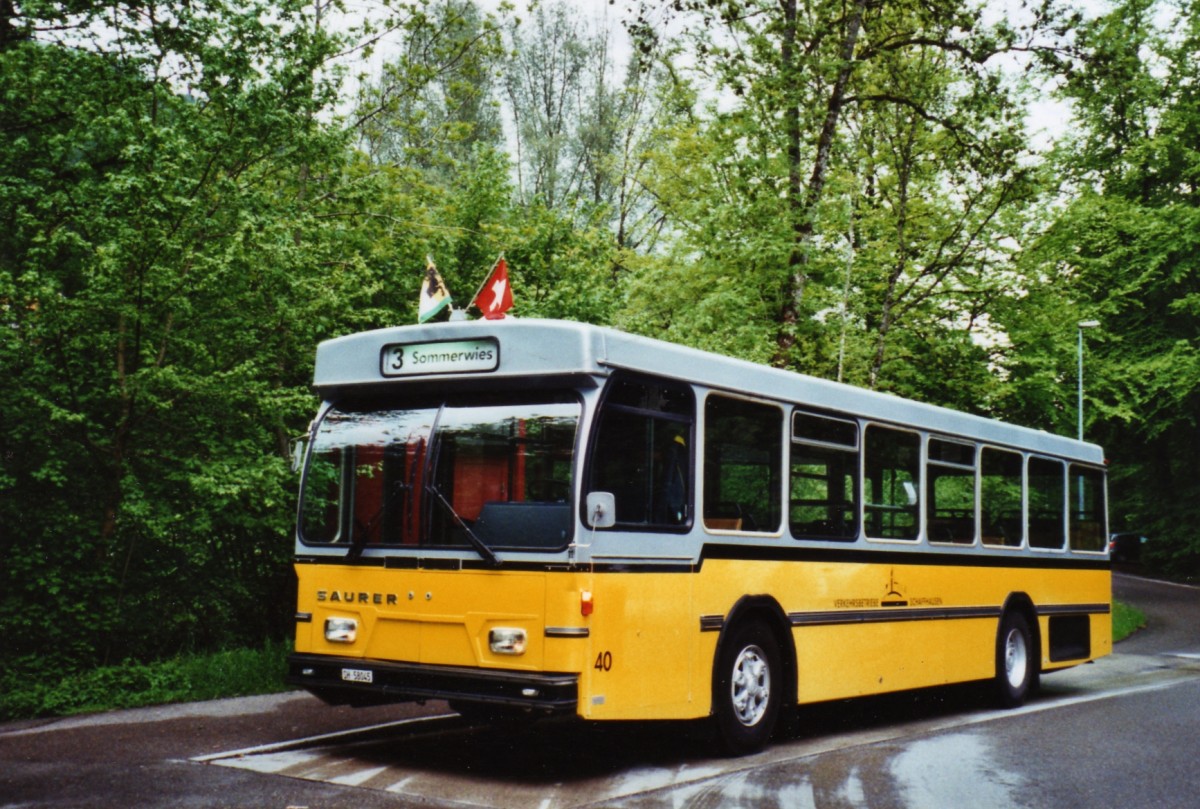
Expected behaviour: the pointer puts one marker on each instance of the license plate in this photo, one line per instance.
(358, 675)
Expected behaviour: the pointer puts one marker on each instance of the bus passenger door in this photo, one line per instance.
(644, 637)
(644, 627)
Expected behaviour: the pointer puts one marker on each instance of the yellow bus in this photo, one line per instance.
(543, 517)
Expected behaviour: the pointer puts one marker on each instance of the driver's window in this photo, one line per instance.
(642, 452)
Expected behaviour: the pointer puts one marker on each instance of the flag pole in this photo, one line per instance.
(455, 314)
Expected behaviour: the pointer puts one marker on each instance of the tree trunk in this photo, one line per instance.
(802, 202)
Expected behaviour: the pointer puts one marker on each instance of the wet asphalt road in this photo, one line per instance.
(1117, 733)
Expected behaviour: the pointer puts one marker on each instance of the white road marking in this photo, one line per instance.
(358, 777)
(322, 759)
(314, 741)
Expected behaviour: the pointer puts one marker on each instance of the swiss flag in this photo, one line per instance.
(495, 296)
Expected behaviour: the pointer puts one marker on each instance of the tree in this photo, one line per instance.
(887, 128)
(170, 213)
(1124, 250)
(434, 101)
(545, 85)
(941, 181)
(581, 138)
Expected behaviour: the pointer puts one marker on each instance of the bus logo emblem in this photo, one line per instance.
(894, 597)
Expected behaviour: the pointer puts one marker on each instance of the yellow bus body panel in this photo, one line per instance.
(440, 617)
(645, 644)
(868, 653)
(857, 628)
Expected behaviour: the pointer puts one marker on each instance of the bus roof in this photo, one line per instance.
(491, 353)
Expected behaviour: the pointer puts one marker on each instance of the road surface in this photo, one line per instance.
(1120, 732)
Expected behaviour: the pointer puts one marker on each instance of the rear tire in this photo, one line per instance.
(747, 688)
(1017, 664)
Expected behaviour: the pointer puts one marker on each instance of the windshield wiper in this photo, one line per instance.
(431, 462)
(478, 544)
(358, 541)
(363, 531)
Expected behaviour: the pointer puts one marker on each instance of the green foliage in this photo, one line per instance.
(185, 213)
(155, 353)
(844, 209)
(1125, 251)
(182, 218)
(432, 105)
(1126, 620)
(429, 127)
(35, 690)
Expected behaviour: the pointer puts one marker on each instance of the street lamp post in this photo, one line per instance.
(1083, 324)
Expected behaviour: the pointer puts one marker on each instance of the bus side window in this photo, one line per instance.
(743, 460)
(824, 477)
(1047, 502)
(892, 475)
(642, 452)
(1000, 497)
(1087, 509)
(950, 492)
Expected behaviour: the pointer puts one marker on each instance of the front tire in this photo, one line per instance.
(747, 688)
(1016, 661)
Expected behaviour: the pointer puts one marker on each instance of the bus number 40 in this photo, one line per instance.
(604, 661)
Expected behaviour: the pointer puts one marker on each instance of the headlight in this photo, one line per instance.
(506, 641)
(341, 630)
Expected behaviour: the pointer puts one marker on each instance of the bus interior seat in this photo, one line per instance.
(952, 526)
(725, 516)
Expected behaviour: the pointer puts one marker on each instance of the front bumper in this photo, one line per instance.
(342, 680)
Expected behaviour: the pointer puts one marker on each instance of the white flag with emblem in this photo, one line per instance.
(434, 295)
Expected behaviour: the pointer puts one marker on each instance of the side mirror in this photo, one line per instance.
(601, 510)
(299, 445)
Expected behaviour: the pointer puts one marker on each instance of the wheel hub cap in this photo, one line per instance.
(1015, 658)
(751, 686)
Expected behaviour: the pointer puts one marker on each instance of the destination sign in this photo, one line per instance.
(445, 357)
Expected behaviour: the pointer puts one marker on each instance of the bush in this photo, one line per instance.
(27, 691)
(1126, 620)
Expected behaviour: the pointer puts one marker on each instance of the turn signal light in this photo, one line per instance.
(585, 602)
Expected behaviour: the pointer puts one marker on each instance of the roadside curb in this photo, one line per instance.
(1151, 580)
(217, 708)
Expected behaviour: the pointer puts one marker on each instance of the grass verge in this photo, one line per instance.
(1126, 620)
(191, 678)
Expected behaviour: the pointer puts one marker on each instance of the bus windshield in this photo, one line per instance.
(477, 472)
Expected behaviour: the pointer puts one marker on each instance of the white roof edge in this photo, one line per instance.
(558, 346)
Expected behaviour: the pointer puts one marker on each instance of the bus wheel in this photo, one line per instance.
(746, 694)
(1016, 666)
